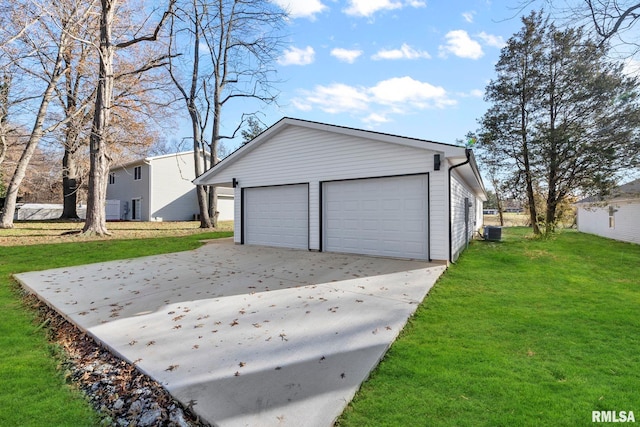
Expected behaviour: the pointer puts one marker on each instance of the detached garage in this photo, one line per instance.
(316, 186)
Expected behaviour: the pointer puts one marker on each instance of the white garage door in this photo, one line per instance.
(377, 216)
(277, 216)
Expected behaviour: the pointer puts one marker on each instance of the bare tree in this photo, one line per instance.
(137, 97)
(96, 222)
(75, 98)
(606, 19)
(227, 50)
(5, 84)
(612, 17)
(40, 56)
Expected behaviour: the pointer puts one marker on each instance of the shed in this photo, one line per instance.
(616, 216)
(322, 187)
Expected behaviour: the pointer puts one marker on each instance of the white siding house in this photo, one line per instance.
(616, 217)
(159, 188)
(316, 186)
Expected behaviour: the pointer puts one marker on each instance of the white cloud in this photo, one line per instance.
(376, 118)
(398, 95)
(468, 16)
(460, 44)
(473, 93)
(405, 90)
(367, 8)
(491, 40)
(346, 55)
(297, 56)
(405, 52)
(302, 105)
(338, 98)
(417, 3)
(301, 8)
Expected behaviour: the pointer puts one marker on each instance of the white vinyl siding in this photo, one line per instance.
(377, 216)
(165, 189)
(294, 151)
(277, 216)
(173, 194)
(126, 188)
(300, 154)
(595, 219)
(462, 227)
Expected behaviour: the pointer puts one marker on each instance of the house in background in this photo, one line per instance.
(616, 216)
(159, 188)
(321, 187)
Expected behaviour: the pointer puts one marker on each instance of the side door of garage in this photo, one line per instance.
(385, 216)
(276, 216)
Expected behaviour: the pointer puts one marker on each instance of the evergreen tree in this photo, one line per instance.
(563, 116)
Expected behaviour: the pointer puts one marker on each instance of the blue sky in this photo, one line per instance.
(415, 68)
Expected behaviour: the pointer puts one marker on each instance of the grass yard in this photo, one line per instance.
(32, 388)
(518, 333)
(40, 232)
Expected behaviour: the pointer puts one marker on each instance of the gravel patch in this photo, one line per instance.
(121, 394)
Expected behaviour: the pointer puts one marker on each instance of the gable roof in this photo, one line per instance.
(147, 160)
(628, 191)
(456, 153)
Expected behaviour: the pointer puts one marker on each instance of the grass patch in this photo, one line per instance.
(62, 231)
(519, 332)
(32, 388)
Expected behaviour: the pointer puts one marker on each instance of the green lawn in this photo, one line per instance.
(32, 389)
(518, 333)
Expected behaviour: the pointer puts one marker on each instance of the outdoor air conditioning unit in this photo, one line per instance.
(493, 234)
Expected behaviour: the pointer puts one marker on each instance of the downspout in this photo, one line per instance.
(150, 190)
(467, 153)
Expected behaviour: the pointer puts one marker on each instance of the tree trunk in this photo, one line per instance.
(201, 191)
(527, 167)
(552, 207)
(96, 222)
(199, 153)
(5, 83)
(6, 217)
(215, 138)
(70, 178)
(533, 214)
(500, 207)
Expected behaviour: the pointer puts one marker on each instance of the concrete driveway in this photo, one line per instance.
(250, 335)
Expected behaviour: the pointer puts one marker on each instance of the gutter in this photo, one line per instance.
(149, 190)
(467, 153)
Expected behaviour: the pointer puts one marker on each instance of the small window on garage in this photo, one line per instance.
(137, 173)
(112, 178)
(612, 217)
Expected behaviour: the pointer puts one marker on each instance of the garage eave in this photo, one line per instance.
(209, 177)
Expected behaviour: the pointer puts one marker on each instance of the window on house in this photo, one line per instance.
(112, 178)
(137, 173)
